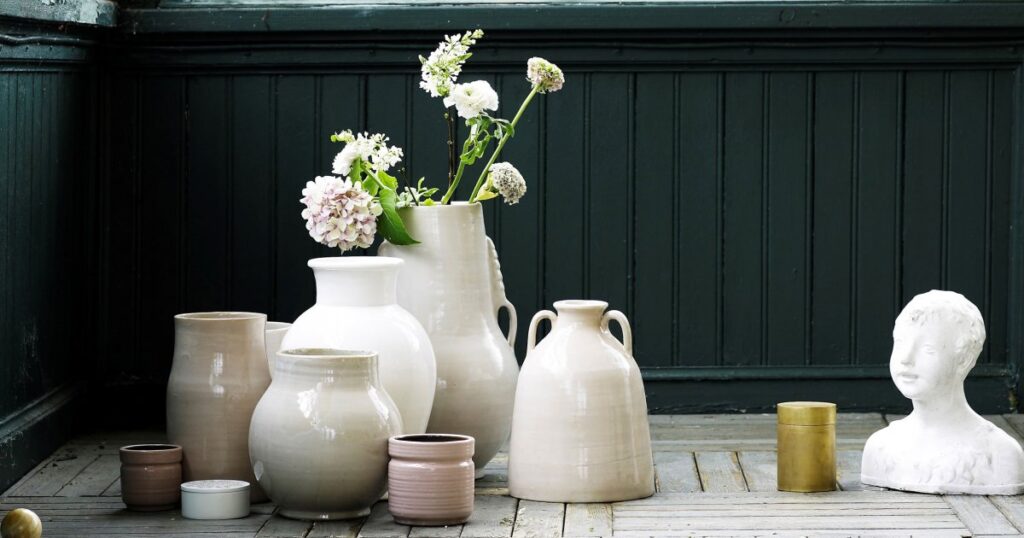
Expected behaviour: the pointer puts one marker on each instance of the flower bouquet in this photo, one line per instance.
(360, 198)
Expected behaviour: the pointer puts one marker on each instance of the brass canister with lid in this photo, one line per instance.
(807, 446)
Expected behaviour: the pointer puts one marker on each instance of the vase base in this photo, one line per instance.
(310, 515)
(429, 522)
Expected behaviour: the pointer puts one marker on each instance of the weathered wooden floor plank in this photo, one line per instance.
(536, 519)
(493, 516)
(980, 515)
(436, 532)
(676, 472)
(760, 470)
(380, 524)
(96, 478)
(720, 472)
(588, 520)
(335, 529)
(282, 527)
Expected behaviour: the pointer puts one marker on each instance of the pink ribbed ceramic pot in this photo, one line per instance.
(430, 479)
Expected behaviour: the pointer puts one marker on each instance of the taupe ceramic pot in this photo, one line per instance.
(430, 479)
(150, 477)
(319, 436)
(219, 373)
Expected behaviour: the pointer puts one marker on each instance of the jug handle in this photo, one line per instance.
(627, 333)
(531, 337)
(498, 292)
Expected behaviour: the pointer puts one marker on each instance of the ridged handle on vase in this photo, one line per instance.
(627, 333)
(498, 292)
(531, 336)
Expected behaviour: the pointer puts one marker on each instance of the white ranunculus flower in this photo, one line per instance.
(472, 98)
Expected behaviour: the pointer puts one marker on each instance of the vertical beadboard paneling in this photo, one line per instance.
(520, 229)
(161, 104)
(655, 172)
(966, 200)
(834, 180)
(427, 156)
(742, 207)
(696, 223)
(878, 176)
(251, 196)
(207, 185)
(8, 123)
(786, 320)
(124, 324)
(567, 170)
(1000, 155)
(295, 164)
(608, 256)
(923, 171)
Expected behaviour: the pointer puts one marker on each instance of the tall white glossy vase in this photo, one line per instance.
(452, 284)
(356, 308)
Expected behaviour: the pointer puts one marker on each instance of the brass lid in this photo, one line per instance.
(807, 413)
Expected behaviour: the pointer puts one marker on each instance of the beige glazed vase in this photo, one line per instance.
(319, 436)
(580, 430)
(218, 375)
(452, 283)
(431, 479)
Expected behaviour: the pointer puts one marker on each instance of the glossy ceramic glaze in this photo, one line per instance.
(150, 477)
(452, 284)
(218, 375)
(430, 479)
(215, 499)
(580, 431)
(275, 334)
(356, 308)
(319, 436)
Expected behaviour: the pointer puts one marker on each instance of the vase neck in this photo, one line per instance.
(576, 312)
(362, 281)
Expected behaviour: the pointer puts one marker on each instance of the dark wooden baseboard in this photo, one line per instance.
(32, 433)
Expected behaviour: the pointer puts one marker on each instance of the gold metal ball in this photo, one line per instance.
(21, 523)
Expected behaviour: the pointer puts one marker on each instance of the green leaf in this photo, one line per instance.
(485, 195)
(390, 223)
(389, 181)
(428, 201)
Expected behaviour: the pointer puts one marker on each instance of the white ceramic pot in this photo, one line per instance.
(218, 374)
(452, 284)
(319, 436)
(356, 309)
(580, 431)
(275, 334)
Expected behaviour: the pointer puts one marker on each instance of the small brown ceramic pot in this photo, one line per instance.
(431, 479)
(151, 477)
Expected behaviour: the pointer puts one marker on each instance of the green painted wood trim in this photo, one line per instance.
(86, 12)
(30, 434)
(280, 16)
(988, 395)
(797, 373)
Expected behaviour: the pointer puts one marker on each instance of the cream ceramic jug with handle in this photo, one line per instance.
(579, 428)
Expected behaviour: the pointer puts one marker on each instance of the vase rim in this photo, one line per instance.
(355, 263)
(449, 206)
(580, 304)
(278, 325)
(326, 353)
(220, 316)
(431, 439)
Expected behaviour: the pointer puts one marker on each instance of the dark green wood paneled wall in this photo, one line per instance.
(48, 144)
(761, 207)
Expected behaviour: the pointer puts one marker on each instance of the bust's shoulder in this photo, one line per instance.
(1004, 447)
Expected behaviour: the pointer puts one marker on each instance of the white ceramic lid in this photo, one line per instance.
(215, 486)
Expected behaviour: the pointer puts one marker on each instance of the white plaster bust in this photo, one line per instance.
(943, 446)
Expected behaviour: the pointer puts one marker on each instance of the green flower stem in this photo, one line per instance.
(501, 144)
(470, 142)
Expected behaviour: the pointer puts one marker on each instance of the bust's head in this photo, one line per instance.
(936, 341)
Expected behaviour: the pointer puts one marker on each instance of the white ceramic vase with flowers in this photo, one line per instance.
(451, 281)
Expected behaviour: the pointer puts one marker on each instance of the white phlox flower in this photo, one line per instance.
(441, 69)
(339, 213)
(508, 182)
(372, 149)
(472, 98)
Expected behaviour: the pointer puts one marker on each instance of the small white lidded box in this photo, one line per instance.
(215, 499)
